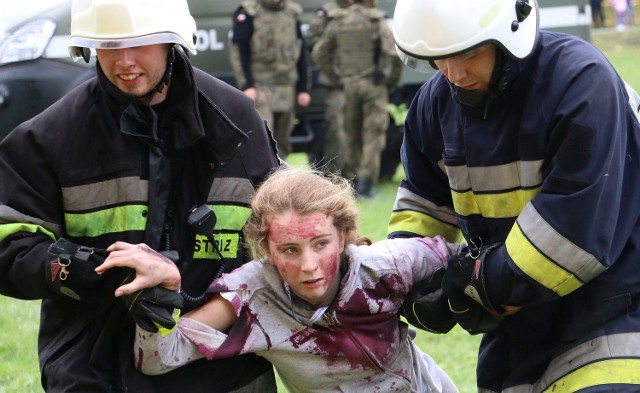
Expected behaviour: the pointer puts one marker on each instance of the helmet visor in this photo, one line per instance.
(418, 64)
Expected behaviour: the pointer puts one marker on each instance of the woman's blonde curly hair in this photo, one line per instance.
(303, 191)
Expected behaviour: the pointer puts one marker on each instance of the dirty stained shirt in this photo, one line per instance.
(357, 343)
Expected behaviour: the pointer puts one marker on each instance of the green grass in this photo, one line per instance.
(455, 352)
(623, 51)
(18, 346)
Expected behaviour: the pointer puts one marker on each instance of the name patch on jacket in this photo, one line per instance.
(227, 243)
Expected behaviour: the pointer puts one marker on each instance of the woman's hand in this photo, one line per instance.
(152, 268)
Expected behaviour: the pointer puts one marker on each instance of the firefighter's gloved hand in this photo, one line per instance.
(71, 270)
(426, 305)
(152, 308)
(472, 317)
(464, 283)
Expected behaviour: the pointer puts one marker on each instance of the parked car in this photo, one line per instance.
(36, 70)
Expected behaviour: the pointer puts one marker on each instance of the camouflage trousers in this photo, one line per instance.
(276, 106)
(365, 125)
(335, 147)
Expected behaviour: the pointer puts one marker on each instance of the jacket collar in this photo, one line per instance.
(185, 109)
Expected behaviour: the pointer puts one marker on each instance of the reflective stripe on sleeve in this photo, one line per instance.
(414, 214)
(7, 230)
(548, 257)
(606, 360)
(609, 371)
(423, 225)
(12, 221)
(407, 200)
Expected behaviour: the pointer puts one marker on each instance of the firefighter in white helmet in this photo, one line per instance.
(107, 201)
(525, 144)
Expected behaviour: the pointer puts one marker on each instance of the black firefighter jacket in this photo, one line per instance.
(81, 170)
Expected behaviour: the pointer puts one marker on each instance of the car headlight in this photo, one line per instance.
(28, 42)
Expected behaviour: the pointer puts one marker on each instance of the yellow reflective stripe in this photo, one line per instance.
(499, 205)
(106, 193)
(407, 200)
(166, 331)
(231, 217)
(537, 266)
(573, 365)
(7, 230)
(556, 247)
(116, 219)
(228, 244)
(423, 225)
(608, 371)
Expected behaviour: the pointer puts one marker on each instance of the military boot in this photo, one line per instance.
(364, 188)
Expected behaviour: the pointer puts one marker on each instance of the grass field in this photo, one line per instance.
(455, 352)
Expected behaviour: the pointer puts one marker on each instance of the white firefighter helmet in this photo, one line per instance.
(114, 24)
(427, 30)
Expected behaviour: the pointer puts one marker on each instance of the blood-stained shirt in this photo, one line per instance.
(357, 343)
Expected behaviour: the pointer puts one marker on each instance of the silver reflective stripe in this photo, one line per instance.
(556, 247)
(514, 175)
(231, 189)
(615, 356)
(407, 200)
(106, 193)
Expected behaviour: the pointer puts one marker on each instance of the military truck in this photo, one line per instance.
(36, 70)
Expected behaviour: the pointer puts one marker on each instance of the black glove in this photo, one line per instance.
(71, 270)
(151, 308)
(465, 286)
(426, 306)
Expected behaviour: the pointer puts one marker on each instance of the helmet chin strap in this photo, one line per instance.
(166, 78)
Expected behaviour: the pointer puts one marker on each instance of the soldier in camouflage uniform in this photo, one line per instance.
(357, 52)
(269, 61)
(334, 140)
